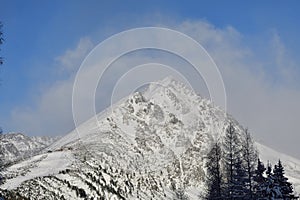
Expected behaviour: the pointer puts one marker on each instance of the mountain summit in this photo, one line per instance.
(149, 145)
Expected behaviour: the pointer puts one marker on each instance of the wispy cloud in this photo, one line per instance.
(264, 98)
(269, 110)
(72, 58)
(52, 113)
(284, 64)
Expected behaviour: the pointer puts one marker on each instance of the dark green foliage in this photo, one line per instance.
(242, 175)
(81, 193)
(232, 153)
(239, 188)
(281, 181)
(259, 181)
(249, 155)
(275, 185)
(271, 190)
(214, 178)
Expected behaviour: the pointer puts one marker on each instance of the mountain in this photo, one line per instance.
(16, 146)
(149, 145)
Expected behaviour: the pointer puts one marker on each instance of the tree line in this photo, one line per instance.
(234, 171)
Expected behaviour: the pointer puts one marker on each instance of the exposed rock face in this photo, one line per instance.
(149, 146)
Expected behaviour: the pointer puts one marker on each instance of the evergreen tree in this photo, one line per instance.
(239, 188)
(281, 181)
(214, 176)
(269, 182)
(272, 190)
(259, 187)
(249, 153)
(231, 152)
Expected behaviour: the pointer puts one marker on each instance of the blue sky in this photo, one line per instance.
(38, 33)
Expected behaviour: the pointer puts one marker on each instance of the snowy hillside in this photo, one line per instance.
(14, 146)
(150, 145)
(291, 165)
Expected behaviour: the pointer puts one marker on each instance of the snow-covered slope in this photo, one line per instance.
(14, 146)
(291, 165)
(150, 145)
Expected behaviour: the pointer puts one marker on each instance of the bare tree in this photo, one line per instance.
(250, 156)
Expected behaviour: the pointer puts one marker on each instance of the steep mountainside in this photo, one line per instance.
(15, 146)
(150, 145)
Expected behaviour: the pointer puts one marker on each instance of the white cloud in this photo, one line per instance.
(52, 113)
(284, 64)
(72, 58)
(263, 98)
(270, 110)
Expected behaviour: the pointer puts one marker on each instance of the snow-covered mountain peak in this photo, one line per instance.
(168, 80)
(144, 145)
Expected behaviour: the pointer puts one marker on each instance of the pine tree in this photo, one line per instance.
(281, 181)
(269, 182)
(249, 153)
(231, 152)
(214, 177)
(259, 186)
(239, 188)
(272, 190)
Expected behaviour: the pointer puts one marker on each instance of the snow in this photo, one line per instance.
(291, 165)
(16, 146)
(146, 134)
(174, 98)
(41, 165)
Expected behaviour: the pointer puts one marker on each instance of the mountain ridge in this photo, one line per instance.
(153, 143)
(15, 146)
